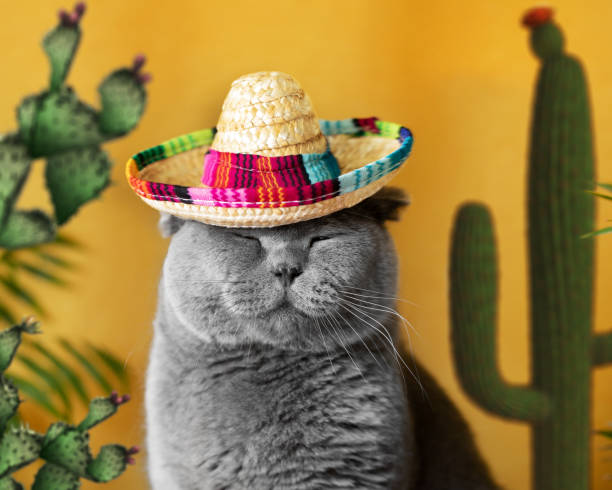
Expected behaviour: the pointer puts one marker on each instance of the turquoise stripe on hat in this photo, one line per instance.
(320, 166)
(343, 126)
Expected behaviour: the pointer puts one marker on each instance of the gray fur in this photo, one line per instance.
(268, 370)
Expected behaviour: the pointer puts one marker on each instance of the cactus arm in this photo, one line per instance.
(61, 44)
(74, 177)
(67, 447)
(109, 464)
(54, 477)
(26, 117)
(123, 99)
(10, 339)
(63, 122)
(473, 294)
(18, 448)
(102, 408)
(14, 168)
(64, 448)
(9, 402)
(602, 349)
(27, 228)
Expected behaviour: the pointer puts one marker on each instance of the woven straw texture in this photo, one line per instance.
(269, 161)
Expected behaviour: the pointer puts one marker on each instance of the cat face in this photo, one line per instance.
(300, 286)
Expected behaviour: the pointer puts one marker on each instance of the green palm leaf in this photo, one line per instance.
(113, 363)
(605, 433)
(50, 380)
(21, 293)
(7, 315)
(603, 231)
(66, 371)
(36, 394)
(52, 258)
(40, 272)
(62, 239)
(89, 366)
(41, 262)
(59, 377)
(600, 194)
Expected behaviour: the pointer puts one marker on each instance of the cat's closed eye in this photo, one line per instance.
(246, 237)
(318, 238)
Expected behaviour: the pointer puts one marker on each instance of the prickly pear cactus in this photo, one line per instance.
(67, 132)
(556, 403)
(64, 448)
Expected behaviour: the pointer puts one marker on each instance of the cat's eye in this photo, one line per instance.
(246, 237)
(318, 238)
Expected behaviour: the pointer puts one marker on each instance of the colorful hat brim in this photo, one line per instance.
(168, 178)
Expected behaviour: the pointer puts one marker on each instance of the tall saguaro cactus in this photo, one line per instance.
(563, 347)
(58, 126)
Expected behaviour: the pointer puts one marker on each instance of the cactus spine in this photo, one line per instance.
(56, 125)
(64, 447)
(563, 346)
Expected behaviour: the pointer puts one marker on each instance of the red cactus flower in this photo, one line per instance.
(71, 19)
(130, 452)
(537, 16)
(119, 400)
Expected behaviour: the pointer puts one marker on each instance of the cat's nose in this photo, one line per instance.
(287, 273)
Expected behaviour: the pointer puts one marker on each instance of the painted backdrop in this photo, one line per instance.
(458, 73)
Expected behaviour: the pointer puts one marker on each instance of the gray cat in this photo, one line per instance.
(275, 364)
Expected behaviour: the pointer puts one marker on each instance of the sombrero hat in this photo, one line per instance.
(269, 161)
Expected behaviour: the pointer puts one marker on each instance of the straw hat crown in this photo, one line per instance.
(269, 161)
(268, 113)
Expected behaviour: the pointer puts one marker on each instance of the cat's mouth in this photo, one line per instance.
(285, 308)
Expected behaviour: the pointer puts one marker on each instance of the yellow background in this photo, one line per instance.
(458, 73)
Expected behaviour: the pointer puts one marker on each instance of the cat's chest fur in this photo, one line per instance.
(261, 418)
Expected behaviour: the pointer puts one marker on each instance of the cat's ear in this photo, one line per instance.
(168, 224)
(385, 205)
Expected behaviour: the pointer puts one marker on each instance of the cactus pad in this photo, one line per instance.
(75, 177)
(18, 448)
(14, 167)
(58, 126)
(26, 117)
(65, 448)
(26, 228)
(109, 464)
(10, 339)
(123, 100)
(99, 410)
(9, 401)
(61, 44)
(64, 122)
(54, 477)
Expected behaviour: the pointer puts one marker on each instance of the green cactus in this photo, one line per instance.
(57, 126)
(564, 349)
(64, 447)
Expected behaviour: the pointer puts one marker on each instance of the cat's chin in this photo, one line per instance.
(285, 311)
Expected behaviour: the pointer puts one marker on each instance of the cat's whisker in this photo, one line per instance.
(389, 343)
(325, 344)
(359, 337)
(390, 340)
(403, 320)
(384, 308)
(373, 294)
(382, 332)
(329, 323)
